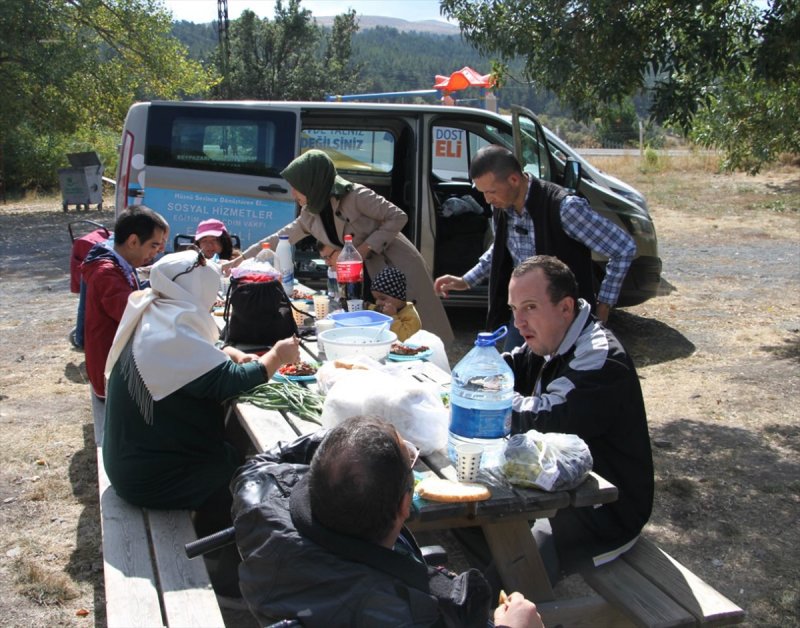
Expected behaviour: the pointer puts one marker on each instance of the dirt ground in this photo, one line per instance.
(718, 354)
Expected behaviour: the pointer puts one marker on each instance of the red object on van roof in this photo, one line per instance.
(461, 79)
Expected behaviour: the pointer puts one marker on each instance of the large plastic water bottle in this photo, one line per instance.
(481, 391)
(285, 263)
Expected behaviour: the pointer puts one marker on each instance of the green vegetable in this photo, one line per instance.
(287, 396)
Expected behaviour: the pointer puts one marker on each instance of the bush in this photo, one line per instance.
(32, 161)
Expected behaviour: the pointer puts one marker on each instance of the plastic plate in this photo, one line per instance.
(294, 378)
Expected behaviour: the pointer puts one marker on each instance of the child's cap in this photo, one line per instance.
(391, 282)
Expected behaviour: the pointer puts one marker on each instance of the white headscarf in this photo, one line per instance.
(172, 328)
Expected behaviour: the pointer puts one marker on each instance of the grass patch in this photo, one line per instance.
(42, 585)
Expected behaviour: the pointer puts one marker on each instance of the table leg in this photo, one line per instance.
(517, 559)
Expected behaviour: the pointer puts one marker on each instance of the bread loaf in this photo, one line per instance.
(441, 490)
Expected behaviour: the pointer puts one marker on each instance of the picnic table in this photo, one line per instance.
(504, 518)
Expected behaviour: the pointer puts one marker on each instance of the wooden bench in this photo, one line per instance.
(645, 587)
(149, 581)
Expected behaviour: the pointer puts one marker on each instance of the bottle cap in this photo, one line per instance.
(265, 245)
(486, 339)
(348, 238)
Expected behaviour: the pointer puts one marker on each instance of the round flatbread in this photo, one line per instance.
(441, 490)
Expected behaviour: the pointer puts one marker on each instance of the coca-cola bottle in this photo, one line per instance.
(349, 274)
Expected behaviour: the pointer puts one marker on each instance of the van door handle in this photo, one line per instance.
(273, 188)
(135, 192)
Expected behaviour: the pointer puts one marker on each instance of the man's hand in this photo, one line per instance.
(602, 312)
(517, 612)
(444, 284)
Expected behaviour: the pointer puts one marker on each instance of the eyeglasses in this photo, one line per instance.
(200, 261)
(329, 255)
(413, 453)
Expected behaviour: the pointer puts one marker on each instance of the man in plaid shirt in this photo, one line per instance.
(535, 217)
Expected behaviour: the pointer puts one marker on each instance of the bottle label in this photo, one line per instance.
(480, 422)
(349, 272)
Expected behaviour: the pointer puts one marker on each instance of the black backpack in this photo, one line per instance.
(257, 313)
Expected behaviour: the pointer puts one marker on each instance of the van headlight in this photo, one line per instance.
(638, 225)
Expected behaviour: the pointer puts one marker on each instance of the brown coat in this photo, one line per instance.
(370, 218)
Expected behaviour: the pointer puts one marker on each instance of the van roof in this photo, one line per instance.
(354, 106)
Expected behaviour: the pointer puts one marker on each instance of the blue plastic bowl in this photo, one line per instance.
(363, 318)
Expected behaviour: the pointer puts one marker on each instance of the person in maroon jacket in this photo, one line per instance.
(110, 276)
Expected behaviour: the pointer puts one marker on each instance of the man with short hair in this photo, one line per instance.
(110, 276)
(530, 217)
(326, 543)
(573, 376)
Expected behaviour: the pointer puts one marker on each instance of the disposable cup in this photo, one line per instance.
(299, 317)
(468, 461)
(355, 305)
(321, 305)
(321, 325)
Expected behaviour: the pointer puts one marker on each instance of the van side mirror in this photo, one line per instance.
(572, 175)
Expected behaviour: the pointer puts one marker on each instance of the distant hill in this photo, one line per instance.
(433, 27)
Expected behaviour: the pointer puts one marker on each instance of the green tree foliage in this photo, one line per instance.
(593, 53)
(290, 57)
(68, 67)
(753, 114)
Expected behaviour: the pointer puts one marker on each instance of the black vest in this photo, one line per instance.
(543, 203)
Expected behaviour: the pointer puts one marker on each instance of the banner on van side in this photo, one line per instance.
(250, 218)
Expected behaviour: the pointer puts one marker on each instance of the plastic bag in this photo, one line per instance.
(415, 409)
(429, 339)
(551, 462)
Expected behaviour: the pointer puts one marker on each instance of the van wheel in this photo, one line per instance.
(99, 207)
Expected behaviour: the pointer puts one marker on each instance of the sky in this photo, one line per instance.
(202, 11)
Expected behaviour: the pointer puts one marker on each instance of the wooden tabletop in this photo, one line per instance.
(505, 518)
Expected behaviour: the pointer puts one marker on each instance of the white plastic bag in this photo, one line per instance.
(415, 409)
(551, 462)
(429, 339)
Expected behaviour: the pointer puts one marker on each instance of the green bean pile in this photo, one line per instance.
(287, 396)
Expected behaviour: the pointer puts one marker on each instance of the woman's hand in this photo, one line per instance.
(228, 266)
(239, 356)
(286, 351)
(364, 251)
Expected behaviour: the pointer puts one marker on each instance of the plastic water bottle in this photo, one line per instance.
(349, 272)
(266, 254)
(481, 391)
(333, 285)
(285, 261)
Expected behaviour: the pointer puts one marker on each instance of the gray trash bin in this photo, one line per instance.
(82, 184)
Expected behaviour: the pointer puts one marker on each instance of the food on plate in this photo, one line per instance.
(302, 295)
(398, 348)
(442, 490)
(298, 369)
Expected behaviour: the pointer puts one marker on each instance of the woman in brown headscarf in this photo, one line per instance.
(332, 207)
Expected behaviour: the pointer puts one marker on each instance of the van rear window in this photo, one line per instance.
(219, 139)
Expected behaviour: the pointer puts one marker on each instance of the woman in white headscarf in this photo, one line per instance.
(164, 444)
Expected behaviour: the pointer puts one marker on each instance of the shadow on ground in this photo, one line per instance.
(649, 341)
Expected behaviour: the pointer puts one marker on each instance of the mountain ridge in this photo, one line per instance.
(434, 27)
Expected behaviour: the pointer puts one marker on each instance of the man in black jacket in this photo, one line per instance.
(536, 217)
(573, 376)
(326, 544)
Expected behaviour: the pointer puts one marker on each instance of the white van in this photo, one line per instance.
(196, 160)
